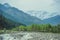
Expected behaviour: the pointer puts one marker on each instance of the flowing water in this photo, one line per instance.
(30, 36)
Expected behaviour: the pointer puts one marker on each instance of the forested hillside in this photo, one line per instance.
(7, 23)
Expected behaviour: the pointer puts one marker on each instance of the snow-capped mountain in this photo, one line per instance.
(43, 14)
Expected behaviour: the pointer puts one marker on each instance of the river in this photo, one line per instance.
(30, 36)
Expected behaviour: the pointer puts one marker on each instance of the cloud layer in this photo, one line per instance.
(57, 5)
(31, 4)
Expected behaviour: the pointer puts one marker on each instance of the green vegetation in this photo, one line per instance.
(34, 28)
(39, 28)
(6, 22)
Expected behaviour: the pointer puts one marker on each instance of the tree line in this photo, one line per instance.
(39, 28)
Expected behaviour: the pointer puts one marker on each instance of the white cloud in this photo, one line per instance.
(31, 4)
(57, 5)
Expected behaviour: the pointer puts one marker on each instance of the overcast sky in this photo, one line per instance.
(27, 5)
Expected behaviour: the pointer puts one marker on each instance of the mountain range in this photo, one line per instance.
(41, 14)
(19, 16)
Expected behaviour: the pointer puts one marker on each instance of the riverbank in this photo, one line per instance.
(11, 31)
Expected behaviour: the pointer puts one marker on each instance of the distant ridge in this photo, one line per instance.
(53, 20)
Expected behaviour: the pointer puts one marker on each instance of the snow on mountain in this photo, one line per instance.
(42, 14)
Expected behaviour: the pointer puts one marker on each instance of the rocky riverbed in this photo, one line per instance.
(30, 36)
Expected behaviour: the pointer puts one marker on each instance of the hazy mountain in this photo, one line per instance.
(46, 17)
(53, 20)
(17, 15)
(42, 14)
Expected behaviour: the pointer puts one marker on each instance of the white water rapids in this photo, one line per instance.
(30, 36)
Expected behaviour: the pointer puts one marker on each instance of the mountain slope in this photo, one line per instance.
(53, 20)
(7, 23)
(46, 17)
(42, 14)
(19, 16)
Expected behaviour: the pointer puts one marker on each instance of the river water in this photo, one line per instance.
(30, 36)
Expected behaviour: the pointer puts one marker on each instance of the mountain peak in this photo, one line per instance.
(6, 4)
